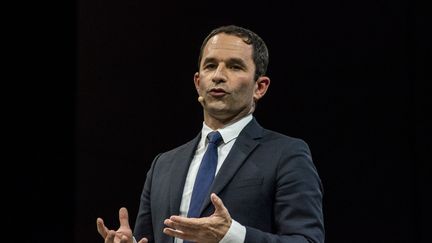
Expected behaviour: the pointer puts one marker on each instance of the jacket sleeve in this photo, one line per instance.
(143, 223)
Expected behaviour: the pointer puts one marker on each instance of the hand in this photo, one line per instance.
(122, 235)
(203, 230)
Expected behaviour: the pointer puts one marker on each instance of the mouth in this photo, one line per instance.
(217, 92)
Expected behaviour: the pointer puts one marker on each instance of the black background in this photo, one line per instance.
(116, 88)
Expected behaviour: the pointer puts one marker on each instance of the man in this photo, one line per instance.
(265, 189)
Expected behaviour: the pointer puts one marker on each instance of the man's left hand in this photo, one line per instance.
(203, 230)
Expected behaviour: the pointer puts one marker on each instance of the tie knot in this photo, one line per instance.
(214, 137)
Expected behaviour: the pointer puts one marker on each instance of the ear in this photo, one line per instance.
(261, 86)
(197, 81)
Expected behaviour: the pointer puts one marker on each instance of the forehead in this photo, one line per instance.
(228, 45)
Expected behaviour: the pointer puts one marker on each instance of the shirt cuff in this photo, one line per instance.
(236, 233)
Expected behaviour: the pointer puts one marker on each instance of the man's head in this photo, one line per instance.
(260, 54)
(228, 81)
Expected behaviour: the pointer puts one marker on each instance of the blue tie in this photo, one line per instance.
(205, 175)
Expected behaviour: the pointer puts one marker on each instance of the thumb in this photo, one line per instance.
(123, 217)
(217, 203)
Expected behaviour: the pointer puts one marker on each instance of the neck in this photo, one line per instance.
(217, 122)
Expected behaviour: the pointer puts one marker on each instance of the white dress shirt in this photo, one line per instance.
(237, 232)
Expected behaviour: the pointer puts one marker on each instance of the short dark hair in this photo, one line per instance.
(260, 54)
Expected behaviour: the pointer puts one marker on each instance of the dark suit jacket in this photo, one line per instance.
(268, 183)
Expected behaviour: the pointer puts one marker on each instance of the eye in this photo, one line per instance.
(210, 66)
(236, 67)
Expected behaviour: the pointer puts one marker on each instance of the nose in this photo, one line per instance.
(219, 75)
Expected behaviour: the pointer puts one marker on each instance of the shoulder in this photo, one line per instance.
(284, 145)
(280, 138)
(255, 131)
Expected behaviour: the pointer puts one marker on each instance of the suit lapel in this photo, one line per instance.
(243, 146)
(178, 173)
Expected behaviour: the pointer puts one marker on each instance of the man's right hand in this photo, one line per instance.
(124, 232)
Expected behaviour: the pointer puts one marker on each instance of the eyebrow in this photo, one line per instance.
(230, 61)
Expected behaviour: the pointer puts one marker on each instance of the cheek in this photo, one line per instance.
(245, 92)
(203, 80)
(200, 83)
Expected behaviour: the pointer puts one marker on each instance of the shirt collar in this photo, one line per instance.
(228, 132)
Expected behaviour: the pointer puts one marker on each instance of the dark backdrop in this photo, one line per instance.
(347, 77)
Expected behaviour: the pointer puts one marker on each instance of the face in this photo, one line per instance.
(226, 80)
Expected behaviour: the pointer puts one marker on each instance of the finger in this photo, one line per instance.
(182, 222)
(103, 231)
(177, 233)
(143, 240)
(176, 226)
(110, 237)
(123, 239)
(123, 217)
(217, 203)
